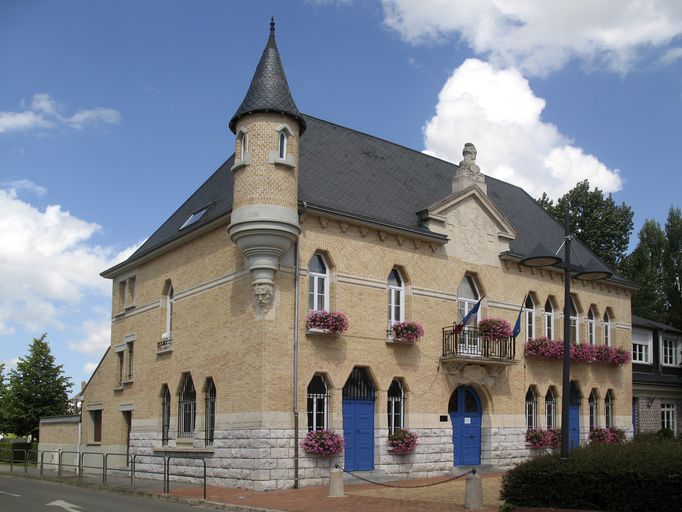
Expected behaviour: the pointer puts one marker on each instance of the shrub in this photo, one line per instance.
(408, 331)
(334, 322)
(628, 477)
(402, 441)
(322, 442)
(494, 328)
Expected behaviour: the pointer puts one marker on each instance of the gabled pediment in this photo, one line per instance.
(476, 229)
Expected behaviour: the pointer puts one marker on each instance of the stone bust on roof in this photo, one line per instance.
(468, 165)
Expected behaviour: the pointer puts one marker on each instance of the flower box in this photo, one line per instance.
(494, 329)
(406, 332)
(325, 322)
(538, 438)
(607, 435)
(402, 442)
(322, 442)
(545, 348)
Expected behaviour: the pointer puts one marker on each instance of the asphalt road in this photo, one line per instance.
(29, 495)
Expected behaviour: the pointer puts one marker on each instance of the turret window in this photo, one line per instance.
(282, 145)
(244, 143)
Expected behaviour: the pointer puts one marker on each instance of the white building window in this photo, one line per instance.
(607, 329)
(549, 319)
(396, 298)
(574, 322)
(530, 318)
(318, 403)
(642, 341)
(550, 408)
(396, 406)
(670, 351)
(467, 297)
(668, 417)
(165, 414)
(591, 327)
(282, 145)
(318, 287)
(170, 302)
(187, 410)
(244, 146)
(531, 409)
(608, 409)
(592, 409)
(210, 411)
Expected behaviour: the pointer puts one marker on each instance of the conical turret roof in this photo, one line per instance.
(269, 90)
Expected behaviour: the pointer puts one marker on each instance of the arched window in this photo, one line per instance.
(170, 301)
(318, 287)
(282, 144)
(550, 408)
(165, 414)
(187, 409)
(575, 335)
(396, 406)
(396, 298)
(467, 297)
(607, 329)
(210, 411)
(592, 406)
(243, 145)
(359, 385)
(608, 409)
(318, 403)
(530, 318)
(549, 320)
(591, 327)
(531, 409)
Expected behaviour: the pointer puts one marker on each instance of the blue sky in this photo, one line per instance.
(113, 113)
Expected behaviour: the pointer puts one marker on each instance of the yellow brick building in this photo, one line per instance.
(212, 355)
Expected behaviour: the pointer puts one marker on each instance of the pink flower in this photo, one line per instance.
(494, 328)
(407, 331)
(335, 322)
(402, 441)
(551, 349)
(322, 442)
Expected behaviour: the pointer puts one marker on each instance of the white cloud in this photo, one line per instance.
(16, 185)
(671, 55)
(89, 368)
(10, 364)
(539, 37)
(497, 111)
(47, 262)
(97, 337)
(44, 113)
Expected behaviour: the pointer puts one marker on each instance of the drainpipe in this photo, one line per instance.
(295, 376)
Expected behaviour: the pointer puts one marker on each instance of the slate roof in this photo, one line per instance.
(638, 321)
(269, 89)
(361, 176)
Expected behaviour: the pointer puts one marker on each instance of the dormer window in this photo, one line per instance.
(195, 217)
(282, 145)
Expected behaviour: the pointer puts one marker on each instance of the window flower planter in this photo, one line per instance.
(402, 442)
(325, 443)
(608, 435)
(407, 332)
(325, 322)
(494, 329)
(538, 438)
(545, 348)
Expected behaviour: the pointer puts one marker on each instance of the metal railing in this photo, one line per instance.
(469, 342)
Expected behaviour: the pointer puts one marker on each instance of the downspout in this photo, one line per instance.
(295, 376)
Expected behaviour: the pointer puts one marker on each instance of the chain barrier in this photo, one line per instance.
(417, 486)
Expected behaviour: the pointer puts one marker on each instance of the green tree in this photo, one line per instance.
(644, 266)
(672, 265)
(3, 394)
(37, 387)
(602, 225)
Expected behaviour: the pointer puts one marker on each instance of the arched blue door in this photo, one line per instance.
(574, 418)
(358, 421)
(465, 413)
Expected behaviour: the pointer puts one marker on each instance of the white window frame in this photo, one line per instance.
(608, 409)
(282, 144)
(592, 410)
(396, 300)
(170, 302)
(465, 304)
(316, 279)
(669, 350)
(607, 329)
(549, 320)
(574, 321)
(642, 338)
(531, 408)
(393, 425)
(315, 397)
(591, 327)
(243, 146)
(530, 318)
(550, 408)
(668, 416)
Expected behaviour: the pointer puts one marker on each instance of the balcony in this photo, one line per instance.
(471, 357)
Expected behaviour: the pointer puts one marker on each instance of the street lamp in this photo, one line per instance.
(542, 257)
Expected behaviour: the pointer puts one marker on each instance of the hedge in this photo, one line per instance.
(645, 474)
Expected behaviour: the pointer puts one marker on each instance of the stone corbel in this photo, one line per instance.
(466, 373)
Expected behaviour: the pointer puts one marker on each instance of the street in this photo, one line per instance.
(28, 495)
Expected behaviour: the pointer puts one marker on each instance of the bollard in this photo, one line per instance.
(473, 495)
(336, 484)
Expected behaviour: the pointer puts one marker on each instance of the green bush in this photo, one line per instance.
(642, 475)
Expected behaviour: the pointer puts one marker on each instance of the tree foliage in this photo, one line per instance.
(672, 265)
(602, 225)
(3, 392)
(37, 387)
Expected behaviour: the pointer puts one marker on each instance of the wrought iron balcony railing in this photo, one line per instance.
(468, 342)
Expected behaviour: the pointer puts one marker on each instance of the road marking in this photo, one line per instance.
(69, 507)
(10, 494)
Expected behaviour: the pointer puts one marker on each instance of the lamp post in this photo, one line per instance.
(542, 257)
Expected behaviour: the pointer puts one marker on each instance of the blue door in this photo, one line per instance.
(573, 426)
(358, 434)
(465, 413)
